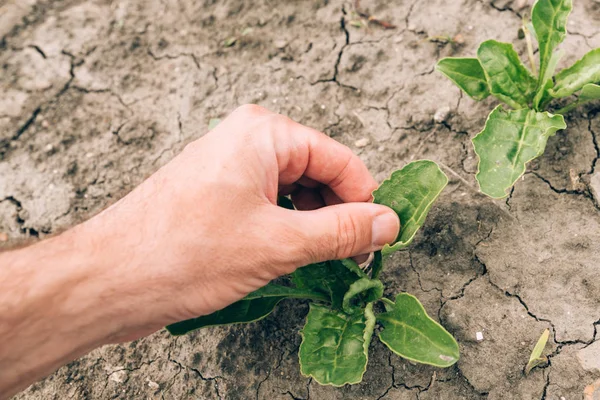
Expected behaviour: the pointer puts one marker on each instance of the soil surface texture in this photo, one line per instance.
(96, 95)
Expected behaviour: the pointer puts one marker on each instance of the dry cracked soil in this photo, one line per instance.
(96, 95)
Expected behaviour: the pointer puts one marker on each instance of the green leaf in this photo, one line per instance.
(377, 265)
(412, 334)
(536, 355)
(549, 18)
(467, 74)
(507, 77)
(410, 192)
(543, 97)
(589, 92)
(509, 140)
(335, 345)
(584, 71)
(365, 289)
(353, 266)
(330, 278)
(253, 307)
(212, 123)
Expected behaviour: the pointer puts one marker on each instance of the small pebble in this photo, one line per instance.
(3, 237)
(322, 106)
(45, 124)
(441, 114)
(479, 336)
(153, 385)
(360, 143)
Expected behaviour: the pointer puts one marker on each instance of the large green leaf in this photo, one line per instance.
(335, 345)
(507, 77)
(409, 332)
(253, 307)
(365, 289)
(509, 140)
(331, 278)
(467, 74)
(574, 78)
(410, 192)
(549, 18)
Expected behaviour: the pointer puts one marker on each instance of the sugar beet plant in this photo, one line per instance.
(342, 316)
(511, 138)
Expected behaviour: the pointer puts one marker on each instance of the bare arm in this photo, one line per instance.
(199, 234)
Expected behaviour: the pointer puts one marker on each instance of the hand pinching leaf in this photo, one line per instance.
(549, 18)
(467, 74)
(509, 140)
(334, 349)
(536, 357)
(508, 78)
(410, 192)
(409, 332)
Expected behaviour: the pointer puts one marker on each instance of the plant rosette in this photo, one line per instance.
(513, 137)
(342, 316)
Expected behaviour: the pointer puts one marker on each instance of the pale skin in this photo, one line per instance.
(198, 235)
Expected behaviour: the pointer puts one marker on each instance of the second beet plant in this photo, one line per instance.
(513, 137)
(343, 311)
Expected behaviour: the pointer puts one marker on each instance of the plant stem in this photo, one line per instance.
(388, 303)
(530, 49)
(567, 108)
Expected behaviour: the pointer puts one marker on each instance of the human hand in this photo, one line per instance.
(205, 230)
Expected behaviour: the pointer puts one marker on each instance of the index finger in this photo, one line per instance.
(310, 153)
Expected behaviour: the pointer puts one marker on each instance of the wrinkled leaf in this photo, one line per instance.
(549, 19)
(467, 74)
(507, 77)
(509, 140)
(574, 78)
(253, 307)
(536, 355)
(330, 278)
(543, 97)
(409, 332)
(213, 123)
(410, 192)
(376, 265)
(365, 289)
(353, 266)
(334, 349)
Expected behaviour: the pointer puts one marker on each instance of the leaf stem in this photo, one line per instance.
(567, 108)
(529, 49)
(388, 303)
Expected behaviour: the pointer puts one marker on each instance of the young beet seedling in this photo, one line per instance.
(341, 319)
(512, 138)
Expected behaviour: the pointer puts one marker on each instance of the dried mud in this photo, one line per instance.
(96, 95)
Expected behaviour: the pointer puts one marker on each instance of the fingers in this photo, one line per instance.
(311, 157)
(342, 231)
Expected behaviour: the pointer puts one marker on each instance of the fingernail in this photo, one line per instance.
(385, 229)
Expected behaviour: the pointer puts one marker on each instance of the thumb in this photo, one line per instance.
(345, 230)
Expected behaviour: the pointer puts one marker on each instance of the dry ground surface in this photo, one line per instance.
(96, 95)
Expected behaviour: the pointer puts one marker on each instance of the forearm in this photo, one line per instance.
(58, 300)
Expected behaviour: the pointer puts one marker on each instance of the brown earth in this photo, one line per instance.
(96, 95)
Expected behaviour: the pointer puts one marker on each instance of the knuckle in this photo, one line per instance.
(250, 110)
